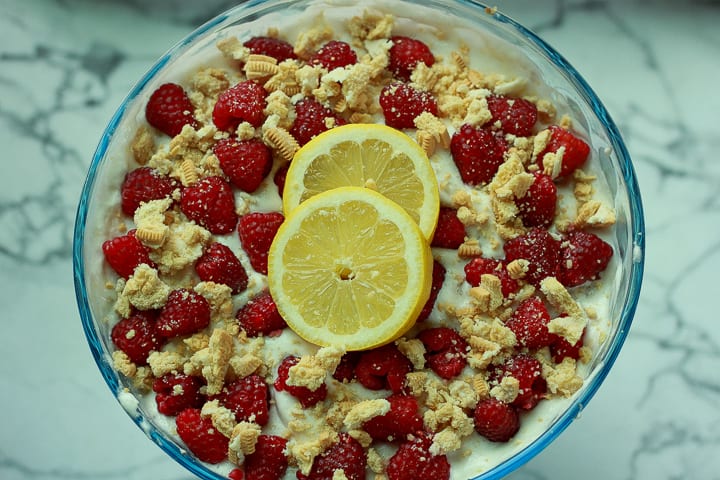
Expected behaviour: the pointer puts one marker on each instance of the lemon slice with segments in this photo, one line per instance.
(349, 268)
(366, 155)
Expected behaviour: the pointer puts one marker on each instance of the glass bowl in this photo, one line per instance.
(501, 39)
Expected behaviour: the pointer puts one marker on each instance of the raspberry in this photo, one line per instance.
(537, 207)
(575, 154)
(584, 256)
(307, 397)
(450, 231)
(445, 351)
(260, 316)
(124, 253)
(257, 231)
(528, 372)
(268, 462)
(169, 109)
(516, 115)
(334, 54)
(405, 54)
(438, 278)
(210, 203)
(279, 178)
(272, 47)
(529, 324)
(413, 460)
(347, 455)
(345, 371)
(383, 367)
(176, 392)
(137, 336)
(142, 185)
(403, 419)
(220, 265)
(201, 437)
(477, 154)
(185, 312)
(243, 102)
(540, 249)
(247, 398)
(246, 162)
(477, 267)
(310, 120)
(495, 420)
(401, 104)
(561, 348)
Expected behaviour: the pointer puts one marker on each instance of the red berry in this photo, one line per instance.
(403, 419)
(236, 474)
(272, 47)
(269, 461)
(529, 324)
(537, 207)
(243, 102)
(311, 120)
(477, 267)
(383, 367)
(185, 312)
(334, 54)
(210, 203)
(405, 54)
(257, 231)
(347, 455)
(142, 185)
(584, 256)
(401, 104)
(561, 348)
(124, 253)
(495, 420)
(528, 372)
(438, 278)
(220, 265)
(413, 461)
(576, 150)
(245, 162)
(516, 115)
(260, 316)
(169, 109)
(345, 371)
(279, 178)
(176, 392)
(305, 396)
(540, 249)
(201, 437)
(137, 336)
(477, 154)
(445, 350)
(450, 231)
(247, 398)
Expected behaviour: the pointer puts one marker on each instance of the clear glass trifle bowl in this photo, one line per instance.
(488, 80)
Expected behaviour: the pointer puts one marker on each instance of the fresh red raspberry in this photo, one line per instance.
(528, 372)
(137, 336)
(269, 461)
(413, 460)
(176, 392)
(401, 104)
(201, 437)
(477, 154)
(257, 231)
(184, 313)
(305, 396)
(403, 419)
(126, 252)
(516, 115)
(220, 265)
(272, 47)
(584, 256)
(529, 323)
(142, 185)
(405, 54)
(310, 120)
(334, 54)
(539, 248)
(279, 178)
(495, 420)
(247, 398)
(345, 371)
(260, 316)
(438, 278)
(477, 267)
(561, 348)
(537, 207)
(576, 150)
(346, 455)
(450, 231)
(445, 350)
(245, 162)
(210, 203)
(383, 367)
(169, 109)
(243, 102)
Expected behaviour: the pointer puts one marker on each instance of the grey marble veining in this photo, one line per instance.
(65, 65)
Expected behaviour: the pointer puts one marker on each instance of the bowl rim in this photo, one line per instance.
(636, 227)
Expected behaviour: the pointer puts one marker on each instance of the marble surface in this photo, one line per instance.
(66, 64)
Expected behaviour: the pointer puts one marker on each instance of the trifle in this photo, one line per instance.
(337, 241)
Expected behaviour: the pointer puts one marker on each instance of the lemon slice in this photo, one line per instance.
(366, 155)
(349, 268)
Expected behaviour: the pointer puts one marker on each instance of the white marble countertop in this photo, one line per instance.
(66, 64)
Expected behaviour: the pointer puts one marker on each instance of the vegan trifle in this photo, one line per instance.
(513, 307)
